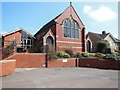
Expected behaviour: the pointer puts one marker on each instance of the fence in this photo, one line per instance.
(9, 50)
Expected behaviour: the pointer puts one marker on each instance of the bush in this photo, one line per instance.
(63, 54)
(77, 54)
(70, 52)
(100, 55)
(116, 53)
(112, 57)
(102, 46)
(92, 54)
(85, 54)
(52, 55)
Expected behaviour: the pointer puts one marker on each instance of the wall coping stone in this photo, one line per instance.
(61, 59)
(30, 53)
(13, 60)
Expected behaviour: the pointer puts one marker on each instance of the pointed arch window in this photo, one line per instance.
(76, 30)
(71, 29)
(65, 29)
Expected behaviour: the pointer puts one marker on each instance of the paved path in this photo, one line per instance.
(61, 78)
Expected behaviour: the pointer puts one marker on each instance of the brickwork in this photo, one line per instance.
(97, 63)
(71, 62)
(56, 26)
(61, 41)
(29, 60)
(94, 40)
(7, 67)
(14, 36)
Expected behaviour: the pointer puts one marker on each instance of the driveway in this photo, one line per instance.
(61, 78)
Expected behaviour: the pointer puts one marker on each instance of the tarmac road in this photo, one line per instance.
(61, 78)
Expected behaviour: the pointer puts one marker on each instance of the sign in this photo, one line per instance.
(64, 60)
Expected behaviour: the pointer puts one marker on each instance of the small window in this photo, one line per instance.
(110, 42)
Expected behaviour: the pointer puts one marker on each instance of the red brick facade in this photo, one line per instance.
(29, 60)
(8, 38)
(32, 60)
(7, 67)
(56, 26)
(71, 62)
(20, 38)
(99, 63)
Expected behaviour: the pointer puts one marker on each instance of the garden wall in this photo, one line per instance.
(7, 67)
(29, 60)
(68, 62)
(99, 63)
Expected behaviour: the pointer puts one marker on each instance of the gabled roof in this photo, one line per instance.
(53, 21)
(117, 40)
(46, 26)
(20, 29)
(103, 36)
(100, 36)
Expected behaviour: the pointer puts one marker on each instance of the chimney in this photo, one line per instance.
(103, 32)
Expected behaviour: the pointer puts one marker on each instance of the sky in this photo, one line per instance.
(31, 16)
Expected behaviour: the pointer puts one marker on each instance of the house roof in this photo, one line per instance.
(53, 21)
(117, 40)
(20, 29)
(100, 36)
(103, 36)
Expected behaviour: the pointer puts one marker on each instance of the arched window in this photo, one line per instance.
(65, 29)
(76, 30)
(71, 29)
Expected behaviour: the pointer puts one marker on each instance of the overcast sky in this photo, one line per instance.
(31, 16)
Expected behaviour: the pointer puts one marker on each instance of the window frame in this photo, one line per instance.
(71, 29)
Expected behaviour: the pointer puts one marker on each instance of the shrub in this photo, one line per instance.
(77, 54)
(102, 46)
(52, 55)
(85, 54)
(70, 52)
(63, 54)
(92, 54)
(111, 57)
(116, 53)
(100, 55)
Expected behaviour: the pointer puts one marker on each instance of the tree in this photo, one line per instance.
(103, 46)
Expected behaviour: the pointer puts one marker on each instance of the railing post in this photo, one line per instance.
(46, 61)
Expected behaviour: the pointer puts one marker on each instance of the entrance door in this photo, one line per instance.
(50, 42)
(88, 46)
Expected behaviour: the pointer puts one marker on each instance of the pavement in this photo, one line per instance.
(68, 77)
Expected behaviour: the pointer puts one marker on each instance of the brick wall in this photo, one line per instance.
(61, 42)
(29, 60)
(7, 67)
(97, 63)
(71, 62)
(14, 36)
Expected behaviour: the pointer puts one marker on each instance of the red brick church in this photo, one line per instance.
(66, 31)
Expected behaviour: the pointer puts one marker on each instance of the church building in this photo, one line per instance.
(66, 31)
